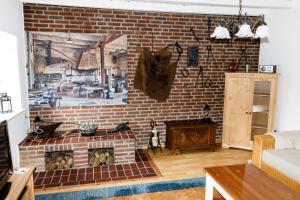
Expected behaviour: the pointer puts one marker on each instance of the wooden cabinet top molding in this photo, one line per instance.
(252, 75)
(189, 122)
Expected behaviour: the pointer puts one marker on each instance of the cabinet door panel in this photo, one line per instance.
(238, 99)
(191, 137)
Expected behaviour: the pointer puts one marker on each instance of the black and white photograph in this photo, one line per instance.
(76, 69)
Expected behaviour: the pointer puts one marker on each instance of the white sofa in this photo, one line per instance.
(279, 155)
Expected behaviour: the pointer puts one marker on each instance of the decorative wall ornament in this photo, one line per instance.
(192, 55)
(74, 69)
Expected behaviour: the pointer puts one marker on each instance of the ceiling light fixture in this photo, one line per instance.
(236, 28)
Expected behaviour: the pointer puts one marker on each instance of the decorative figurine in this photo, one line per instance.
(206, 118)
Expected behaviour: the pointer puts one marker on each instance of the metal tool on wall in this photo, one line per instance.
(243, 55)
(178, 48)
(195, 36)
(207, 82)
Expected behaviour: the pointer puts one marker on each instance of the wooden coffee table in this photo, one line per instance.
(246, 182)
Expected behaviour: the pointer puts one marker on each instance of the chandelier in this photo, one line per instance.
(239, 28)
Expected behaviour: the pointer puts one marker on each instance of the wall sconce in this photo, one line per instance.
(241, 29)
(5, 102)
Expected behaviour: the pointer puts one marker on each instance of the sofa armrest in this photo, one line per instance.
(261, 142)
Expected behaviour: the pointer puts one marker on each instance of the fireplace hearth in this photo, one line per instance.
(120, 147)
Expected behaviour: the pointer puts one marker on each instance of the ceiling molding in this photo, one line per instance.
(252, 7)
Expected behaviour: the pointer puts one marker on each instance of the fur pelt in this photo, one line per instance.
(155, 73)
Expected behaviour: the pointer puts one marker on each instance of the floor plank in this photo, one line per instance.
(187, 194)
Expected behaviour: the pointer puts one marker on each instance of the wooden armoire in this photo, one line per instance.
(249, 107)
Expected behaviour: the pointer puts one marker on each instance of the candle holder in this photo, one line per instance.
(154, 141)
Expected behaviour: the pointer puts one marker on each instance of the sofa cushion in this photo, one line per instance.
(285, 139)
(297, 142)
(286, 161)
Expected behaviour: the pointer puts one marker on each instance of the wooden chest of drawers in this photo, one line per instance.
(189, 134)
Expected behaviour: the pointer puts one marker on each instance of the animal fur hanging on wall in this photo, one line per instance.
(155, 72)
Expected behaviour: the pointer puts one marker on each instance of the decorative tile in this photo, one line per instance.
(140, 169)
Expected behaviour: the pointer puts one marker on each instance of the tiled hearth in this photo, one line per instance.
(33, 150)
(141, 168)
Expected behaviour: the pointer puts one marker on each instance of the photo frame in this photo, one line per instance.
(76, 69)
(192, 55)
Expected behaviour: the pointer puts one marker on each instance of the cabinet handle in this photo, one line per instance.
(248, 113)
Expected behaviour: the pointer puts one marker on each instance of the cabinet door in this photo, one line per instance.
(263, 107)
(238, 101)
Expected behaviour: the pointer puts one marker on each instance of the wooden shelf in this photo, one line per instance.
(265, 111)
(262, 94)
(259, 126)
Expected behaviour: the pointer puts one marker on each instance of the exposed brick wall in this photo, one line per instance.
(185, 100)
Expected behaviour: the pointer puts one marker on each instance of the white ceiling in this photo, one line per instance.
(252, 7)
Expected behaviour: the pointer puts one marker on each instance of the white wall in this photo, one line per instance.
(252, 7)
(284, 51)
(12, 70)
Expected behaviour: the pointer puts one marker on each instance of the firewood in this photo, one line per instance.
(94, 162)
(50, 166)
(102, 157)
(63, 162)
(59, 158)
(70, 161)
(110, 160)
(96, 154)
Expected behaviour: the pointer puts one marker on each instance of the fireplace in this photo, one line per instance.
(119, 146)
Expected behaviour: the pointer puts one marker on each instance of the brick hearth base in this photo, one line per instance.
(141, 168)
(32, 150)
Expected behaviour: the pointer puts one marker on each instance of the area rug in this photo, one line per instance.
(142, 168)
(125, 190)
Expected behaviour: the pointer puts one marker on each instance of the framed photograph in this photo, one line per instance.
(192, 55)
(76, 69)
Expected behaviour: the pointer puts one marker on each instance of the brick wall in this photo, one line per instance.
(185, 100)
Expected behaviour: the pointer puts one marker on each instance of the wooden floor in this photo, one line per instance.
(190, 164)
(187, 194)
(172, 166)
